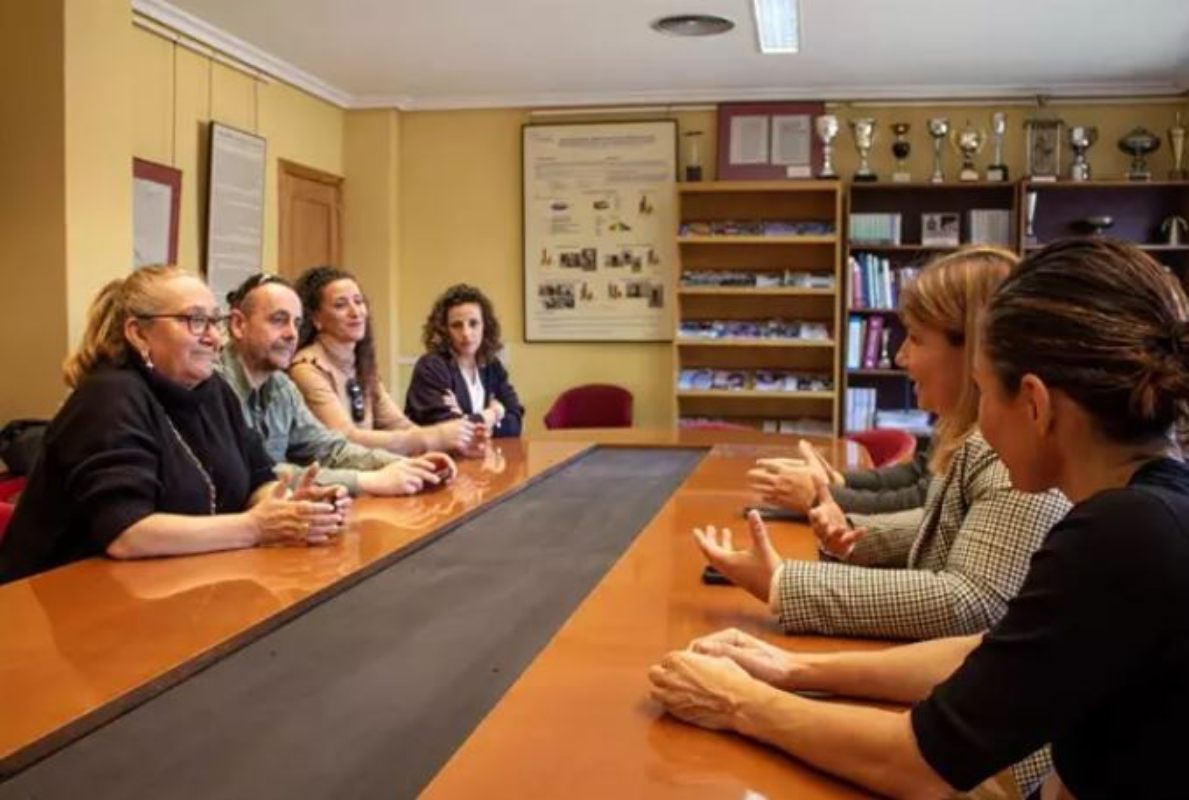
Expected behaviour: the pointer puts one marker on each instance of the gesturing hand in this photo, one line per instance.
(816, 463)
(782, 482)
(279, 519)
(834, 533)
(699, 689)
(334, 493)
(751, 568)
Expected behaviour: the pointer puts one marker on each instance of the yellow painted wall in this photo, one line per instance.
(178, 92)
(371, 231)
(32, 207)
(98, 151)
(460, 221)
(460, 187)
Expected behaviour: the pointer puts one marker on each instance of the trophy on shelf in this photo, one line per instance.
(969, 142)
(939, 128)
(997, 170)
(1176, 143)
(827, 128)
(1138, 144)
(863, 129)
(1030, 217)
(885, 358)
(693, 156)
(1043, 137)
(1174, 229)
(1081, 137)
(900, 149)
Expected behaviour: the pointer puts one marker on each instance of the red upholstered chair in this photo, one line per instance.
(10, 487)
(595, 405)
(886, 445)
(6, 510)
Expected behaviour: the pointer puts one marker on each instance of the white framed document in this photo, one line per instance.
(600, 224)
(235, 210)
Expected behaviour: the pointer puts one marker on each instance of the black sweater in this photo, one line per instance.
(435, 374)
(112, 458)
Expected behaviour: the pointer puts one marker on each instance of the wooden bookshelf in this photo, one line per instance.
(778, 255)
(893, 390)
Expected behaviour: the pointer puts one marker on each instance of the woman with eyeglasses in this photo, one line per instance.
(460, 375)
(335, 370)
(150, 455)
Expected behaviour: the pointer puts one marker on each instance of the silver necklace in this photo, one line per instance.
(210, 484)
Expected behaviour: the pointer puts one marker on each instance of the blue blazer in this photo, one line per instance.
(435, 374)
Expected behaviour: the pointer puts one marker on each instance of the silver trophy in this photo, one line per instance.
(885, 356)
(1030, 217)
(969, 142)
(1138, 144)
(900, 149)
(1176, 143)
(1081, 137)
(863, 129)
(997, 171)
(827, 129)
(939, 128)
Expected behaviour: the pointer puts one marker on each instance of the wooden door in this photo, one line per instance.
(310, 221)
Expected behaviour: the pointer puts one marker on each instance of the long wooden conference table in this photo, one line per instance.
(488, 639)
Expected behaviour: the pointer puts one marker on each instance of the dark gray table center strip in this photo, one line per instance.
(369, 693)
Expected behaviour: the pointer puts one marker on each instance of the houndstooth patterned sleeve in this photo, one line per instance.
(889, 537)
(961, 574)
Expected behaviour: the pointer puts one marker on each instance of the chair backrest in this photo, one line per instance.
(886, 445)
(6, 510)
(595, 405)
(10, 487)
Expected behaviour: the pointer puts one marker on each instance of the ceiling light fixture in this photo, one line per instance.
(778, 25)
(693, 25)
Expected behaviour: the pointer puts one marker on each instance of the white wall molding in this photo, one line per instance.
(201, 31)
(187, 25)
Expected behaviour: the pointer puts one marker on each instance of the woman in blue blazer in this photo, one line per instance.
(459, 375)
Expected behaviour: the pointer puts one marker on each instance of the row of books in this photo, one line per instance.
(990, 226)
(863, 414)
(752, 329)
(874, 283)
(759, 280)
(762, 380)
(868, 343)
(868, 228)
(800, 426)
(757, 227)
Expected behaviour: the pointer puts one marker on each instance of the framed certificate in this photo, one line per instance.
(156, 207)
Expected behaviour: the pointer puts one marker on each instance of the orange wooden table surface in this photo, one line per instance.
(579, 722)
(84, 642)
(87, 641)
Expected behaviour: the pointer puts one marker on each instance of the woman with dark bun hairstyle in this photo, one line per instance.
(1083, 367)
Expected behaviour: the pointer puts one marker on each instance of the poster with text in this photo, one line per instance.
(600, 223)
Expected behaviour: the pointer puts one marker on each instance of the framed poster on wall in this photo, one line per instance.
(156, 206)
(600, 223)
(235, 212)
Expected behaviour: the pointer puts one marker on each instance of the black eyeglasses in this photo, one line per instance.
(197, 323)
(357, 400)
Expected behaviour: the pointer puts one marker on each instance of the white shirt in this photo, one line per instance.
(474, 388)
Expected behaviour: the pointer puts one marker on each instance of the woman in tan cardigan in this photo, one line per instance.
(335, 369)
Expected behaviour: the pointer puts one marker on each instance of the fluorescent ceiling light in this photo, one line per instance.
(778, 25)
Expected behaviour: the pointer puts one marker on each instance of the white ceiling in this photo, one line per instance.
(480, 53)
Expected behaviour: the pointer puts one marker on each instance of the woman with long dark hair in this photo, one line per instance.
(335, 369)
